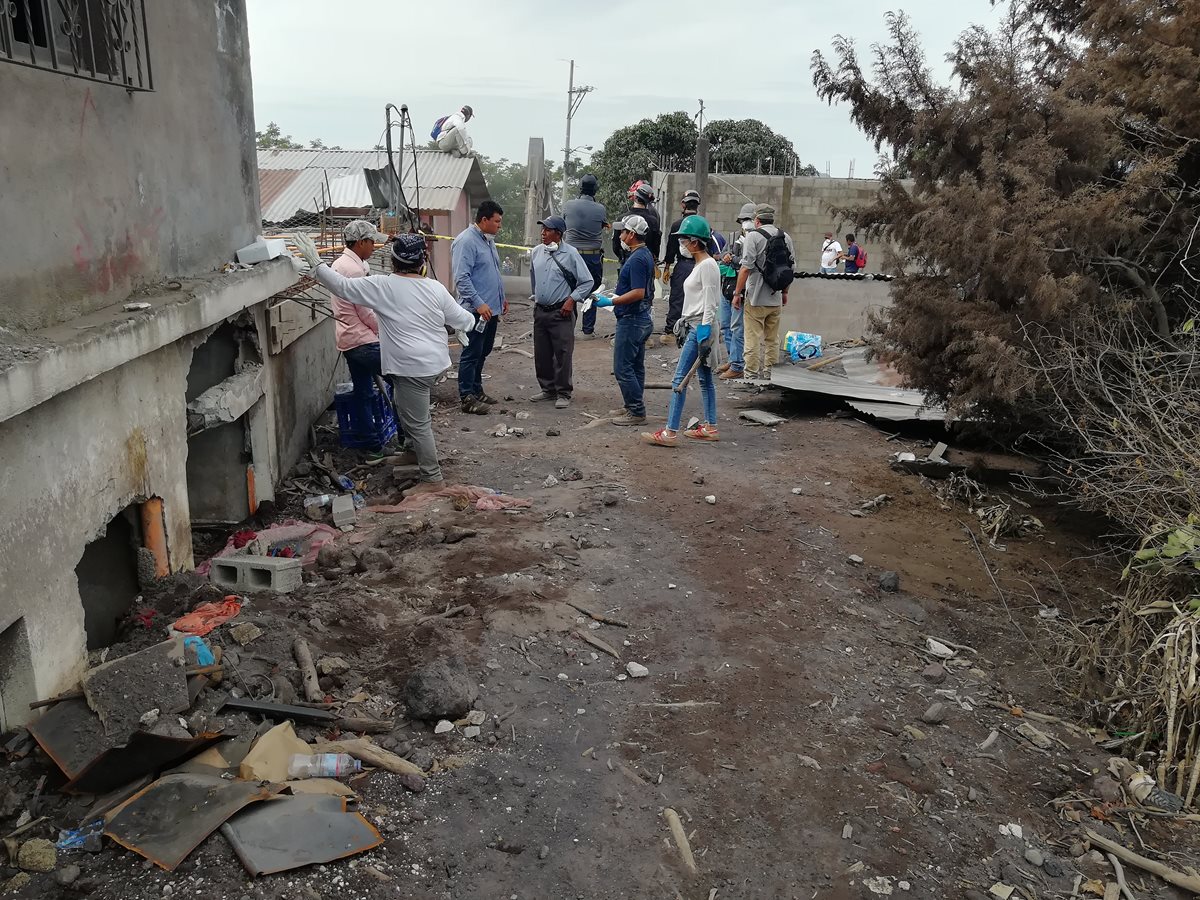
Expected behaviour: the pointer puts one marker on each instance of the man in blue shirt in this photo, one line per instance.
(476, 267)
(560, 279)
(631, 304)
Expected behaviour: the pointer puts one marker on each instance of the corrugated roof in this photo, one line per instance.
(289, 180)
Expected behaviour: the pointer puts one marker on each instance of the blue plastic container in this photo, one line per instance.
(371, 434)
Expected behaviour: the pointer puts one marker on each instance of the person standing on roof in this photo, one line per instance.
(476, 267)
(450, 132)
(641, 198)
(561, 280)
(356, 328)
(733, 332)
(682, 265)
(586, 220)
(701, 311)
(414, 312)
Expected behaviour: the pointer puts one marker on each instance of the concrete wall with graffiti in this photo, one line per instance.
(106, 191)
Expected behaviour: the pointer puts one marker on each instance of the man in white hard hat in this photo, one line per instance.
(450, 132)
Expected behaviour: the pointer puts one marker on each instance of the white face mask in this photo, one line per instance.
(684, 251)
(552, 246)
(747, 227)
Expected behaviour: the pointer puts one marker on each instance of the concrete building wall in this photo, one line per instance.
(302, 380)
(837, 310)
(106, 190)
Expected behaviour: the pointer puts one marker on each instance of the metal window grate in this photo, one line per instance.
(100, 40)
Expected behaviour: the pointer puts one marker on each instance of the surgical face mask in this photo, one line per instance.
(684, 251)
(552, 246)
(747, 227)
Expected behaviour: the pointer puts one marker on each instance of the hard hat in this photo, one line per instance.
(645, 192)
(633, 188)
(588, 184)
(689, 196)
(409, 249)
(695, 226)
(746, 213)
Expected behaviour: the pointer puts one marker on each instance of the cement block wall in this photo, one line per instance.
(804, 207)
(105, 190)
(303, 377)
(837, 310)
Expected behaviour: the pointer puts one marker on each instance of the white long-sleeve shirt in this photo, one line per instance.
(702, 293)
(413, 315)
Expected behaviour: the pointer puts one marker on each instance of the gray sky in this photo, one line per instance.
(320, 72)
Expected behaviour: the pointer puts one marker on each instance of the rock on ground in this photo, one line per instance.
(442, 689)
(37, 855)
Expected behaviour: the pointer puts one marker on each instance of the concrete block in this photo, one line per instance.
(343, 511)
(276, 574)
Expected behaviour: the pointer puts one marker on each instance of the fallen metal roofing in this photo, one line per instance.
(293, 182)
(798, 379)
(899, 412)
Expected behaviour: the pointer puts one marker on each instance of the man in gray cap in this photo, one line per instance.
(560, 280)
(356, 328)
(768, 267)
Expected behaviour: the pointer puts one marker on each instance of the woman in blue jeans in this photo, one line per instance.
(701, 311)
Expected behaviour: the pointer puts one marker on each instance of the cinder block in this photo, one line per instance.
(343, 511)
(277, 574)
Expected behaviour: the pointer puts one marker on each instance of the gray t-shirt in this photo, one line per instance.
(754, 251)
(585, 223)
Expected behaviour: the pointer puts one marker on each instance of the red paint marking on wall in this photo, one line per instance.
(103, 271)
(87, 102)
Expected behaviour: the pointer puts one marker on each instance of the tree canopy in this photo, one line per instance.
(273, 138)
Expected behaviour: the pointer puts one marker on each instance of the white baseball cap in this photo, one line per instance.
(361, 229)
(636, 224)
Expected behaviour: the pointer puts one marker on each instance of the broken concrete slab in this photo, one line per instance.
(226, 401)
(277, 574)
(291, 832)
(169, 819)
(246, 632)
(123, 690)
(344, 513)
(761, 417)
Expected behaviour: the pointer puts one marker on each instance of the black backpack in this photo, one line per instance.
(779, 266)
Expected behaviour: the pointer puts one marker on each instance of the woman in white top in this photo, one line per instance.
(701, 310)
(413, 313)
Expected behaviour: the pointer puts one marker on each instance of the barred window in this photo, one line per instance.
(100, 40)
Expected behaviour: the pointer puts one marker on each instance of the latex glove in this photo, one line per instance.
(307, 247)
(603, 300)
(463, 338)
(588, 302)
(703, 333)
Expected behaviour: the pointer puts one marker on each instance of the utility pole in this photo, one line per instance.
(700, 119)
(575, 97)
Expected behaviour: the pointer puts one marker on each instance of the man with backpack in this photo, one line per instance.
(450, 132)
(768, 269)
(855, 256)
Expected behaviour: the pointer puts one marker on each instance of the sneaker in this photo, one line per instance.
(629, 419)
(616, 413)
(661, 438)
(703, 432)
(475, 406)
(425, 487)
(731, 374)
(750, 376)
(489, 400)
(766, 374)
(540, 396)
(562, 402)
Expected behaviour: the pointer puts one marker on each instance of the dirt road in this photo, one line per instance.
(792, 715)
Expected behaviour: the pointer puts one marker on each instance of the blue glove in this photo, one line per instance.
(703, 333)
(602, 300)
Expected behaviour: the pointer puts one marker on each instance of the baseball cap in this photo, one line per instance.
(554, 223)
(764, 211)
(636, 224)
(361, 229)
(691, 195)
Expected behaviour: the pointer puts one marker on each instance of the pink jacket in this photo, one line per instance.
(355, 325)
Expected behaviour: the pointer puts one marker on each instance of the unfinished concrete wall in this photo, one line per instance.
(835, 309)
(71, 465)
(302, 380)
(105, 190)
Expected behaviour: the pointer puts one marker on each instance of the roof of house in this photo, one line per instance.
(290, 182)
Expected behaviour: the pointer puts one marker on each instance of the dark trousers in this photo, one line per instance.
(594, 260)
(629, 360)
(364, 363)
(553, 349)
(683, 268)
(474, 355)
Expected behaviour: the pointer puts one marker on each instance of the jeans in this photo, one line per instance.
(733, 334)
(629, 360)
(708, 392)
(553, 349)
(594, 260)
(364, 363)
(828, 269)
(411, 396)
(472, 358)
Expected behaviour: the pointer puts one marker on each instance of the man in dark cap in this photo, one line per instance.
(560, 281)
(586, 220)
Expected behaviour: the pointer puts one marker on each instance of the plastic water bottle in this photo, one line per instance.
(323, 765)
(481, 324)
(318, 501)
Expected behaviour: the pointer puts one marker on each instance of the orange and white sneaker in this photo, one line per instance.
(703, 432)
(661, 438)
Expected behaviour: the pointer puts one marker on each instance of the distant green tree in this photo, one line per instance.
(272, 138)
(746, 146)
(319, 144)
(667, 142)
(506, 185)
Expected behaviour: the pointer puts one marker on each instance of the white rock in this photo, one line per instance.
(471, 731)
(879, 885)
(797, 491)
(671, 586)
(710, 499)
(810, 762)
(636, 670)
(854, 559)
(550, 481)
(1013, 830)
(904, 885)
(443, 726)
(476, 717)
(563, 676)
(622, 677)
(938, 649)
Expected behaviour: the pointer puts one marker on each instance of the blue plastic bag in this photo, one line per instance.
(204, 656)
(801, 345)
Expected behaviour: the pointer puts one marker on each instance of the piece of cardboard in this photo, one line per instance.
(269, 757)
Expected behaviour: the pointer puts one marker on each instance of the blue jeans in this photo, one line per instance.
(594, 260)
(733, 334)
(629, 360)
(364, 363)
(474, 355)
(708, 391)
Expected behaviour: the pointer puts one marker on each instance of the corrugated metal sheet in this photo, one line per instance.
(289, 180)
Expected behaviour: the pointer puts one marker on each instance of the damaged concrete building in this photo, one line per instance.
(140, 390)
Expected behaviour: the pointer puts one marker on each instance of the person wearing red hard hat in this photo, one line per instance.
(641, 196)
